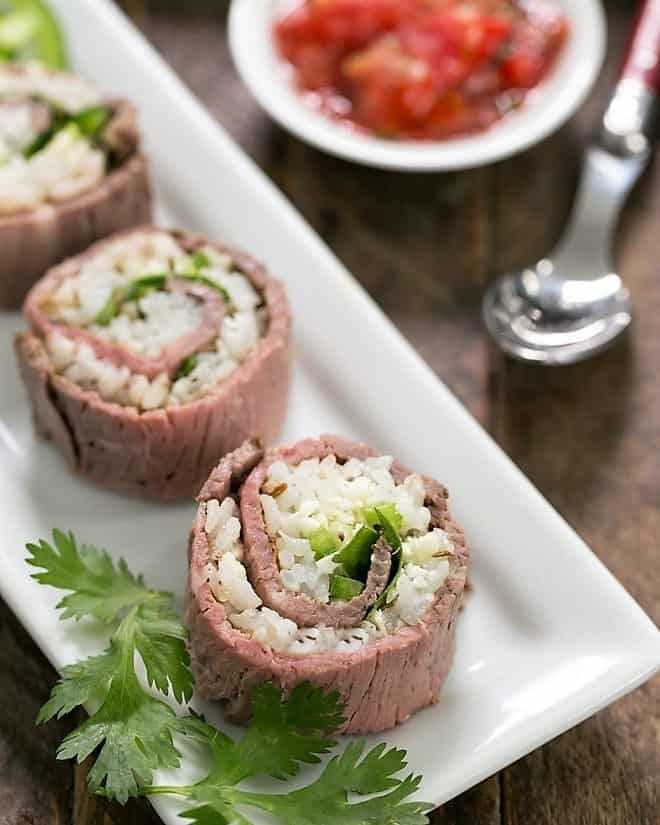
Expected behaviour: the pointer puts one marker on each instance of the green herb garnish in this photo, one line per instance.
(133, 729)
(326, 800)
(133, 733)
(186, 367)
(133, 291)
(345, 588)
(323, 542)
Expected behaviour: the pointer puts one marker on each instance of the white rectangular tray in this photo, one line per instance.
(547, 637)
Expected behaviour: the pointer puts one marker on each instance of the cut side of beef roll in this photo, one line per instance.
(153, 354)
(71, 172)
(324, 562)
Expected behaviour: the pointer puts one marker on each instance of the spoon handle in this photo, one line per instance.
(629, 121)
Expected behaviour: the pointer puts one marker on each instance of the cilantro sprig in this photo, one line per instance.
(132, 733)
(133, 729)
(325, 801)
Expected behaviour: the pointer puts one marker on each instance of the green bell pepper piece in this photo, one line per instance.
(131, 292)
(390, 512)
(202, 279)
(30, 32)
(356, 555)
(323, 542)
(344, 588)
(200, 260)
(186, 367)
(394, 540)
(87, 122)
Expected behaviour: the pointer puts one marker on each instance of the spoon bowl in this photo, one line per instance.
(532, 319)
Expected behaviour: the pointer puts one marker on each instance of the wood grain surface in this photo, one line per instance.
(588, 436)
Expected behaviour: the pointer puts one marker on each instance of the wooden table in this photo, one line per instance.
(588, 436)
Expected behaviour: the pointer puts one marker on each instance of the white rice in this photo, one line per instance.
(68, 165)
(326, 494)
(66, 91)
(145, 326)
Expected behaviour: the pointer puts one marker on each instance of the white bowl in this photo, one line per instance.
(547, 108)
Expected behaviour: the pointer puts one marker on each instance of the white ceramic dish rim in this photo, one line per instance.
(638, 641)
(558, 97)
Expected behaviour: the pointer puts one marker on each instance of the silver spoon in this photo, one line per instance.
(572, 304)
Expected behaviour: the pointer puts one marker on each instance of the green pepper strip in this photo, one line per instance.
(136, 289)
(323, 542)
(44, 138)
(356, 555)
(200, 260)
(89, 123)
(202, 279)
(389, 511)
(186, 367)
(31, 31)
(131, 292)
(389, 530)
(344, 588)
(394, 540)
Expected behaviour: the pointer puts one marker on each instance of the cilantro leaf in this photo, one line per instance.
(159, 638)
(100, 589)
(326, 800)
(282, 735)
(134, 731)
(106, 591)
(79, 683)
(218, 814)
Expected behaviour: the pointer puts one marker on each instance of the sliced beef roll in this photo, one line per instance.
(328, 563)
(151, 355)
(71, 172)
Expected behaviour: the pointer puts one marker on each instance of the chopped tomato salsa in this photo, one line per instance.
(420, 69)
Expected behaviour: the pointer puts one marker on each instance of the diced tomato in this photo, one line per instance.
(346, 24)
(522, 70)
(420, 68)
(388, 87)
(452, 44)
